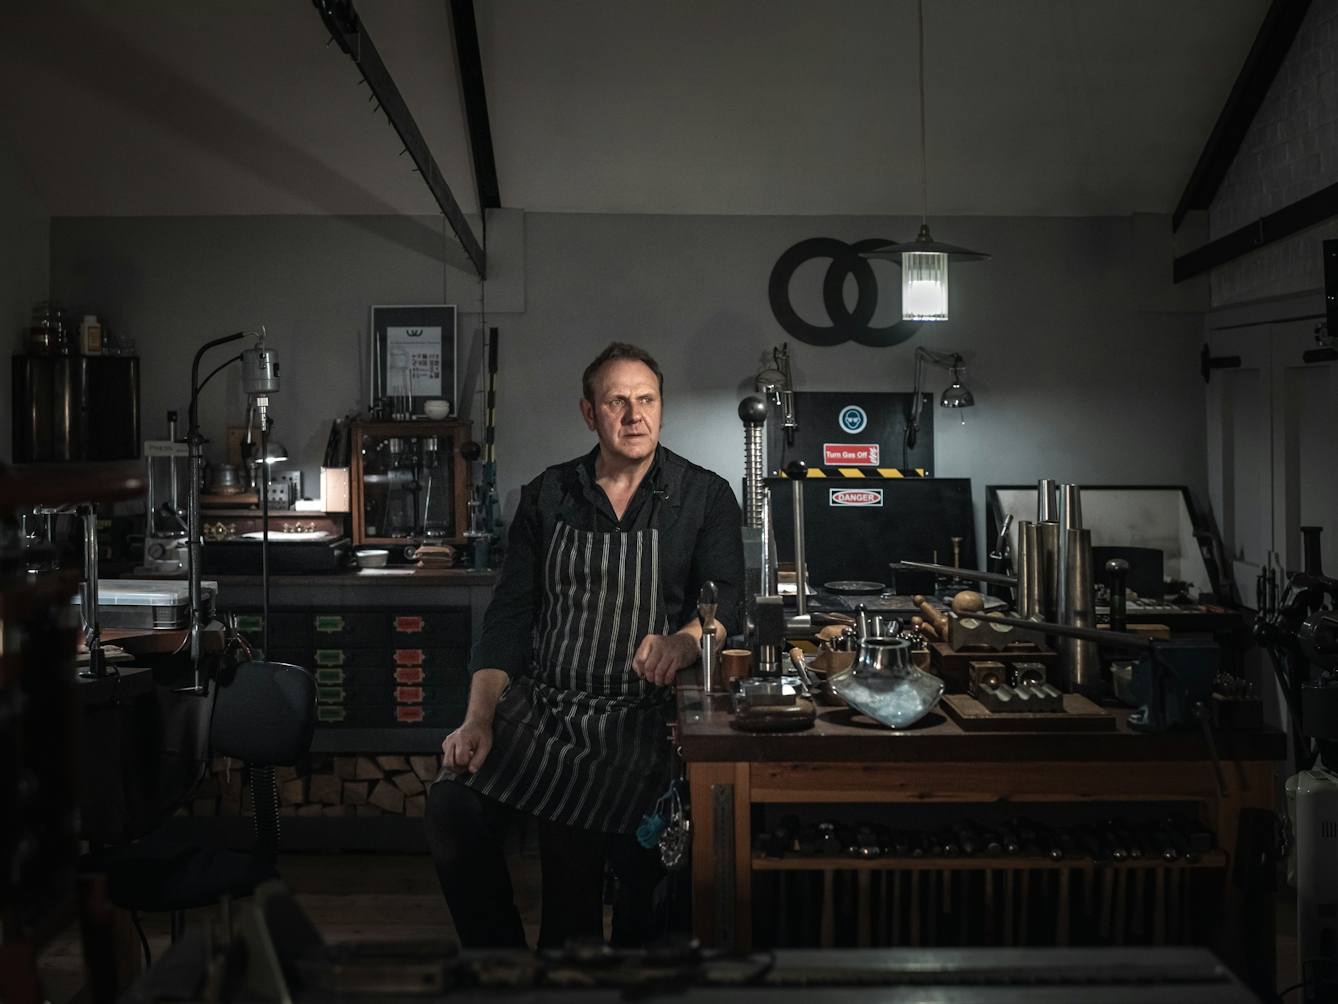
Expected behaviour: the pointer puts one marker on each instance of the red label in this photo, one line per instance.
(409, 674)
(409, 695)
(850, 454)
(409, 625)
(408, 657)
(409, 714)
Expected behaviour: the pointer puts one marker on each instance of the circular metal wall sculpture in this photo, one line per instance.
(847, 325)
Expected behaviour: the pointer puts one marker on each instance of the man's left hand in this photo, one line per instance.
(659, 657)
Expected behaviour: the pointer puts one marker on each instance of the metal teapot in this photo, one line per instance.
(886, 685)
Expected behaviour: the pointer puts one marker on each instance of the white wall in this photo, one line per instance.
(1290, 151)
(1082, 356)
(24, 263)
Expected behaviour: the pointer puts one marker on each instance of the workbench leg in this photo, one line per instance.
(1246, 937)
(743, 858)
(703, 778)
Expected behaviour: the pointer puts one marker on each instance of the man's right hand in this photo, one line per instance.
(467, 747)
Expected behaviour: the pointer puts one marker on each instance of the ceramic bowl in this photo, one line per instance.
(437, 408)
(372, 558)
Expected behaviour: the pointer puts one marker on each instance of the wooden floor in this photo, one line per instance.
(394, 897)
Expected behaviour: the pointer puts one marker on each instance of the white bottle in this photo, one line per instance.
(90, 336)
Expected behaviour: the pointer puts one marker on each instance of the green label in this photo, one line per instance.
(330, 713)
(330, 695)
(330, 623)
(330, 676)
(329, 657)
(249, 622)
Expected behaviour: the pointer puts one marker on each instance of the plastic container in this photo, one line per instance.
(90, 336)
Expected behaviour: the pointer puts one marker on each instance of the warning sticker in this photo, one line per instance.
(856, 496)
(850, 454)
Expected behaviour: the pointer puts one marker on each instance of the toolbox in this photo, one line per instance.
(148, 604)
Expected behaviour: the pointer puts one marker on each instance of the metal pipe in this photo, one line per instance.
(961, 573)
(1025, 599)
(1082, 666)
(798, 472)
(769, 587)
(1115, 639)
(1047, 510)
(92, 629)
(1047, 541)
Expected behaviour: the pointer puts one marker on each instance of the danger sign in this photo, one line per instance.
(856, 496)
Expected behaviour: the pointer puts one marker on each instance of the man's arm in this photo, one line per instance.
(504, 646)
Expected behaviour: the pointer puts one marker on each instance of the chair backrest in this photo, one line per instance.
(264, 714)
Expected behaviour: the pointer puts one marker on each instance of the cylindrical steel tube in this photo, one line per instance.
(710, 668)
(1046, 503)
(800, 571)
(1070, 507)
(1082, 665)
(1025, 598)
(1047, 547)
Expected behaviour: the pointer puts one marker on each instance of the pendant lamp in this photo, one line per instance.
(924, 261)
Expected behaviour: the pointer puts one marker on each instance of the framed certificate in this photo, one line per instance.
(413, 358)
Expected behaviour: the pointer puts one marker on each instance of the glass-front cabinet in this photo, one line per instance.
(410, 483)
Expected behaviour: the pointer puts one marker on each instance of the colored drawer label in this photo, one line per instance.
(409, 674)
(409, 625)
(330, 624)
(409, 713)
(850, 454)
(329, 713)
(250, 622)
(329, 657)
(408, 657)
(330, 695)
(409, 695)
(329, 676)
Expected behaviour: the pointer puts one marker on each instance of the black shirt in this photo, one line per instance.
(700, 540)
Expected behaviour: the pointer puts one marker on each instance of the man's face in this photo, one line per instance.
(626, 410)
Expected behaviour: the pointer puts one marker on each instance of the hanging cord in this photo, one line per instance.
(265, 802)
(924, 170)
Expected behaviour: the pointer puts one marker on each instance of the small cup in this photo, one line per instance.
(437, 408)
(735, 662)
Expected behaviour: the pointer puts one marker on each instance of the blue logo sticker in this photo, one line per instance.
(852, 419)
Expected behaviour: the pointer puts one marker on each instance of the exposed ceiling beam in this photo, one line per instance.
(346, 29)
(470, 62)
(1261, 66)
(1300, 215)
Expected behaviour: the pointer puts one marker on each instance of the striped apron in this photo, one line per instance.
(580, 739)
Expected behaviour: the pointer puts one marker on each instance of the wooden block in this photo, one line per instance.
(339, 810)
(287, 810)
(387, 797)
(425, 767)
(346, 767)
(414, 806)
(283, 774)
(955, 667)
(366, 770)
(392, 763)
(362, 811)
(219, 764)
(293, 792)
(204, 807)
(1079, 715)
(407, 783)
(355, 792)
(208, 788)
(310, 810)
(325, 789)
(230, 805)
(232, 785)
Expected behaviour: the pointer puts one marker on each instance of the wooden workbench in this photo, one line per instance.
(839, 761)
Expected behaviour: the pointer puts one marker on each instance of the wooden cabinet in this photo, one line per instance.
(410, 482)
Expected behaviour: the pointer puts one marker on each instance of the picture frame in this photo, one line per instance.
(413, 358)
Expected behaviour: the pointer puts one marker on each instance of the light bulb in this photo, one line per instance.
(924, 286)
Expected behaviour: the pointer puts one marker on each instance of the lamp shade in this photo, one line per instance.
(924, 286)
(275, 452)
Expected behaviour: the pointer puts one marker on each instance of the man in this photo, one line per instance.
(570, 694)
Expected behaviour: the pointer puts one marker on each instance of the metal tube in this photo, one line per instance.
(768, 546)
(753, 413)
(800, 573)
(710, 669)
(1047, 540)
(1116, 639)
(1047, 510)
(1082, 664)
(1024, 597)
(961, 573)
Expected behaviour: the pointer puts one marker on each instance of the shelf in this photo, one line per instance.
(817, 863)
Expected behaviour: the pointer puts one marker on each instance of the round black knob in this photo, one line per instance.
(753, 410)
(471, 451)
(797, 469)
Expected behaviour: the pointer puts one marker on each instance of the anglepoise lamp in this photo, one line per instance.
(924, 261)
(955, 396)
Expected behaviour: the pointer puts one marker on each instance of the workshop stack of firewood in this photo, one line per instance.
(324, 785)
